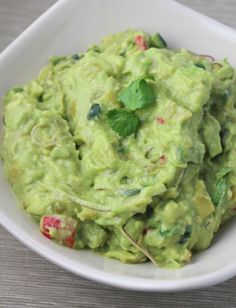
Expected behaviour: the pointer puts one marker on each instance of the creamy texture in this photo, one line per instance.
(158, 194)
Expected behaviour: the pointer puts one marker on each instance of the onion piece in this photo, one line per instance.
(37, 142)
(209, 57)
(84, 203)
(217, 65)
(137, 245)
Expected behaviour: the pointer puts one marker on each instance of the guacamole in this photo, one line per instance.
(127, 149)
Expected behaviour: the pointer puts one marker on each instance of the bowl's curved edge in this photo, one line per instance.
(123, 282)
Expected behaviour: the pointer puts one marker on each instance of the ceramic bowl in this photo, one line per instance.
(70, 26)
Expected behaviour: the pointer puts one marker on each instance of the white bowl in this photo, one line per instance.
(70, 26)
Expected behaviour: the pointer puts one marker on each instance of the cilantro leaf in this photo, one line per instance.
(180, 153)
(124, 123)
(220, 192)
(200, 65)
(137, 95)
(156, 40)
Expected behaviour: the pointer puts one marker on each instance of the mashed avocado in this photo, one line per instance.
(127, 149)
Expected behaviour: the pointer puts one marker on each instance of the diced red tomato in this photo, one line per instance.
(161, 121)
(70, 240)
(59, 227)
(141, 43)
(51, 221)
(46, 234)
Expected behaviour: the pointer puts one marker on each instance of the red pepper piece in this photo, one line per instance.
(46, 234)
(64, 228)
(48, 222)
(52, 221)
(161, 121)
(141, 43)
(70, 240)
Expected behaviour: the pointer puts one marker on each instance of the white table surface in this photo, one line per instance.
(28, 280)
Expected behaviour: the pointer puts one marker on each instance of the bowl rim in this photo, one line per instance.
(124, 282)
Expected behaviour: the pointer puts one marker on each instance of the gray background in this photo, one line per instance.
(28, 280)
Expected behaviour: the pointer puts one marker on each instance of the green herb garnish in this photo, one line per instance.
(124, 123)
(156, 40)
(139, 94)
(18, 90)
(76, 57)
(221, 186)
(94, 111)
(187, 234)
(121, 149)
(55, 60)
(40, 98)
(220, 192)
(200, 65)
(180, 153)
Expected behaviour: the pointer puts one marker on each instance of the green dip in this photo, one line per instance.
(127, 149)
